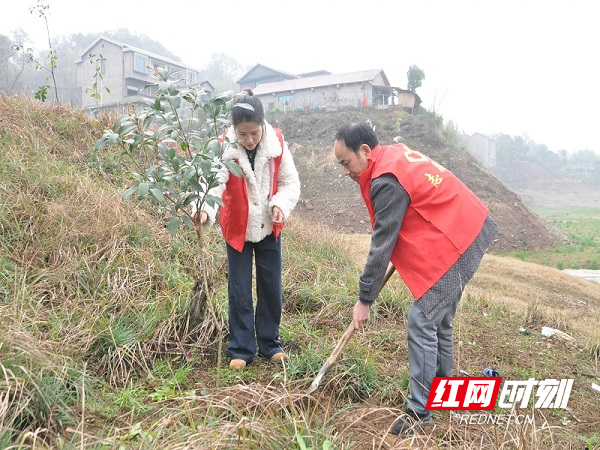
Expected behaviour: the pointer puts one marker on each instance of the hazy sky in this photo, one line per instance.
(510, 66)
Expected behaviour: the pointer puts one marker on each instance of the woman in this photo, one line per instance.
(255, 208)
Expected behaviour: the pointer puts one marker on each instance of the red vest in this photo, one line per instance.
(234, 212)
(443, 219)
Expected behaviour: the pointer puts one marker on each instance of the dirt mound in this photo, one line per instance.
(328, 198)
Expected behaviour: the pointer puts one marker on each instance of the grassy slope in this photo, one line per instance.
(95, 292)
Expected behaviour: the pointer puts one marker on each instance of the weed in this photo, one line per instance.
(522, 255)
(534, 313)
(593, 348)
(131, 399)
(234, 376)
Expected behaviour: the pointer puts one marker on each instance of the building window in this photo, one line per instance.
(145, 91)
(140, 62)
(192, 77)
(131, 91)
(285, 98)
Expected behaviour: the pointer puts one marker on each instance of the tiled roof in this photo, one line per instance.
(318, 81)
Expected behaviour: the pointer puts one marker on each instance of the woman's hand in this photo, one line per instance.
(277, 215)
(203, 217)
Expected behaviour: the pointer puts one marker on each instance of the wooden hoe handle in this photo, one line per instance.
(341, 343)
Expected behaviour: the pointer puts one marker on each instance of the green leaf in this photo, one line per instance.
(162, 73)
(107, 138)
(173, 226)
(179, 201)
(176, 164)
(206, 167)
(189, 173)
(147, 121)
(126, 128)
(195, 186)
(129, 192)
(190, 198)
(188, 222)
(122, 118)
(157, 194)
(143, 190)
(233, 167)
(175, 102)
(211, 200)
(213, 146)
(150, 103)
(300, 441)
(164, 85)
(151, 170)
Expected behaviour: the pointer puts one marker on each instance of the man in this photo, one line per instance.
(434, 230)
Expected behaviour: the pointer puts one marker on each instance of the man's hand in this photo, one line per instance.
(360, 315)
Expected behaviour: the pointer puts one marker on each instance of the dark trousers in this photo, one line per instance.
(247, 328)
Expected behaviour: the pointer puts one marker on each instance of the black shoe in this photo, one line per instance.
(410, 423)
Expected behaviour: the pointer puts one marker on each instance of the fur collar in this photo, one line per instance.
(268, 148)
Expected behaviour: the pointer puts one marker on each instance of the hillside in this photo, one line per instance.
(95, 352)
(328, 198)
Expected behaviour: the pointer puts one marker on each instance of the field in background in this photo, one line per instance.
(582, 226)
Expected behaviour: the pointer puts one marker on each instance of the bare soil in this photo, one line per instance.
(331, 199)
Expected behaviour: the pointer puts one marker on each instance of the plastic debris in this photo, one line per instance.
(488, 372)
(548, 331)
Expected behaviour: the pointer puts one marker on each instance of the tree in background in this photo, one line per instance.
(41, 8)
(222, 72)
(521, 151)
(415, 77)
(13, 64)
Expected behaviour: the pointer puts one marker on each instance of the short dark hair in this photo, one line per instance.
(240, 114)
(356, 134)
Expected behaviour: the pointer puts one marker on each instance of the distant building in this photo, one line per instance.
(261, 74)
(483, 149)
(126, 71)
(407, 99)
(324, 90)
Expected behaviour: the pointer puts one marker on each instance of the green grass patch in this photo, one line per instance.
(582, 226)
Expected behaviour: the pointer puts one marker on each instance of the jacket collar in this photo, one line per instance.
(268, 148)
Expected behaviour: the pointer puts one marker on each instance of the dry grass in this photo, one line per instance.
(94, 353)
(560, 300)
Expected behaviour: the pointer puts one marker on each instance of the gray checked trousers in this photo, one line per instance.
(430, 350)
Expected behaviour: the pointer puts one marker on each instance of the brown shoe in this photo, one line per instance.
(237, 364)
(278, 357)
